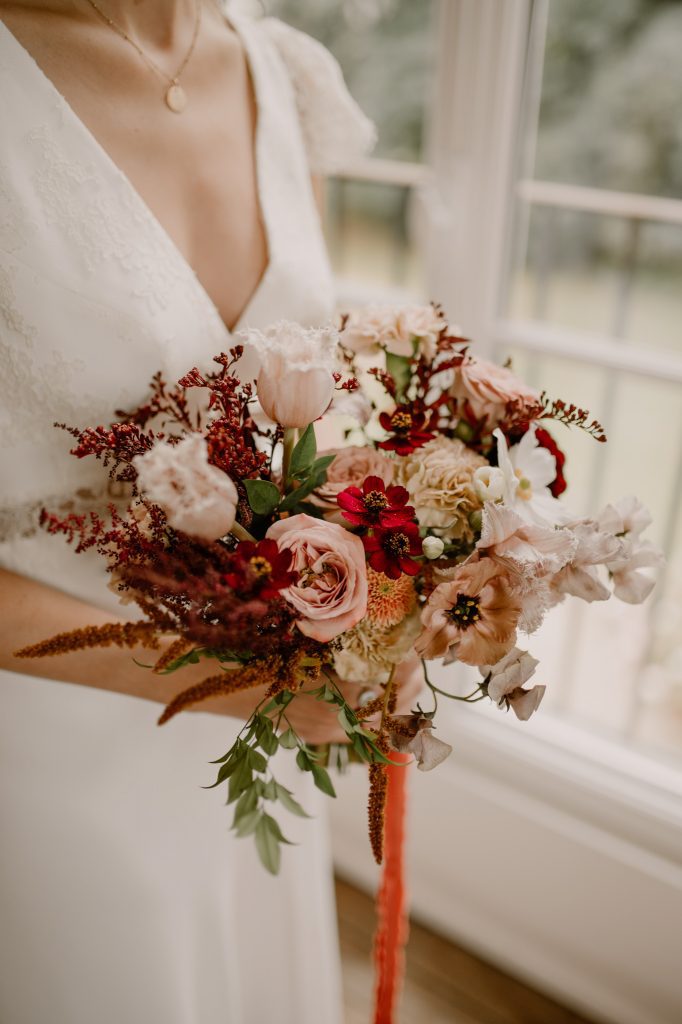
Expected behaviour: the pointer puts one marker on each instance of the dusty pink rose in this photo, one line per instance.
(489, 388)
(198, 498)
(350, 467)
(331, 594)
(472, 617)
(396, 330)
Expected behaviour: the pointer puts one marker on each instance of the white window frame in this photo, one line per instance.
(550, 850)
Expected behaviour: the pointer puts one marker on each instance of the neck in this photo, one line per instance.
(160, 23)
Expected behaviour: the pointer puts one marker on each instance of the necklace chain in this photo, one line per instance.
(175, 95)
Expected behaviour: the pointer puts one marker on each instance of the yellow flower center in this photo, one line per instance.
(524, 489)
(401, 422)
(375, 501)
(260, 566)
(465, 611)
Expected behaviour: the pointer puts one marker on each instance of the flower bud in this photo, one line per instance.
(489, 483)
(433, 547)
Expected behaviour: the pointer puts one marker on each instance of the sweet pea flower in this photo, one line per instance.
(295, 384)
(505, 683)
(197, 498)
(626, 520)
(413, 734)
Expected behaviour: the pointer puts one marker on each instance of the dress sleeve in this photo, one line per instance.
(335, 129)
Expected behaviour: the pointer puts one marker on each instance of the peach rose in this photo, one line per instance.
(331, 594)
(489, 388)
(198, 498)
(350, 467)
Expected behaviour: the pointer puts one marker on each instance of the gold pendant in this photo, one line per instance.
(176, 98)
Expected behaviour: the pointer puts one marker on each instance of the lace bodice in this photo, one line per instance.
(94, 295)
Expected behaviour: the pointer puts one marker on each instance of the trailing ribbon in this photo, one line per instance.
(392, 924)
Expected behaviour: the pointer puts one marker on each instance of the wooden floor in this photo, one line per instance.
(443, 984)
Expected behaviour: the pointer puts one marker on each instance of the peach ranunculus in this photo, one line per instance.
(439, 477)
(295, 383)
(197, 498)
(472, 617)
(396, 330)
(350, 468)
(330, 596)
(489, 388)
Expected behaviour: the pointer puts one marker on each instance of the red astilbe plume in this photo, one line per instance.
(410, 427)
(375, 504)
(115, 446)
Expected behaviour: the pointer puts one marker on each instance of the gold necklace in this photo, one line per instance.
(175, 96)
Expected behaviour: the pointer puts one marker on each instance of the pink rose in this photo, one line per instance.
(331, 594)
(350, 467)
(489, 388)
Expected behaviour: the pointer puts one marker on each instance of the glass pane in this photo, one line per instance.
(368, 229)
(609, 665)
(611, 91)
(386, 49)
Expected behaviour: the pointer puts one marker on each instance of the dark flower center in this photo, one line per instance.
(375, 501)
(465, 611)
(260, 565)
(401, 422)
(397, 544)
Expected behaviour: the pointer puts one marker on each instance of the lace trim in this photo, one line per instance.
(22, 520)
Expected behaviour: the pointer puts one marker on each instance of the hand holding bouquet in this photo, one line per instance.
(436, 529)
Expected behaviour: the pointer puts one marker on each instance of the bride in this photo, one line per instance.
(155, 196)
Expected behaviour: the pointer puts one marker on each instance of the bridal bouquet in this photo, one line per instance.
(436, 528)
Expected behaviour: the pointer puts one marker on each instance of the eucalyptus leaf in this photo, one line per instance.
(322, 780)
(303, 761)
(247, 802)
(268, 847)
(240, 780)
(288, 740)
(248, 823)
(263, 496)
(287, 801)
(273, 826)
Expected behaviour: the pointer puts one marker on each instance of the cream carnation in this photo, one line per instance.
(330, 596)
(440, 480)
(370, 651)
(489, 388)
(197, 498)
(396, 330)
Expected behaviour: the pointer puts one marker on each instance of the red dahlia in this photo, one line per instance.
(389, 551)
(260, 568)
(375, 504)
(409, 428)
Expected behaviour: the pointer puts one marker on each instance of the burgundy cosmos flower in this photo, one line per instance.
(409, 428)
(389, 551)
(375, 504)
(261, 568)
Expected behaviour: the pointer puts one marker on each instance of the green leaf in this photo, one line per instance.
(273, 826)
(248, 823)
(399, 368)
(270, 790)
(269, 741)
(288, 740)
(303, 761)
(240, 780)
(247, 802)
(256, 760)
(287, 801)
(321, 465)
(263, 496)
(304, 452)
(322, 779)
(268, 847)
(345, 722)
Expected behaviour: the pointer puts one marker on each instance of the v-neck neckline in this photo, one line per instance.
(150, 217)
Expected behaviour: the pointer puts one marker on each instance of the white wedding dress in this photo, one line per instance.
(124, 898)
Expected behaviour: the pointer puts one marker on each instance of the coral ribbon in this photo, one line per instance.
(392, 925)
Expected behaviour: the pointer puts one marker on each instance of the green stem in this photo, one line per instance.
(241, 533)
(288, 443)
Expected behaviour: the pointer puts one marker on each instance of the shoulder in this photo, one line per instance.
(335, 129)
